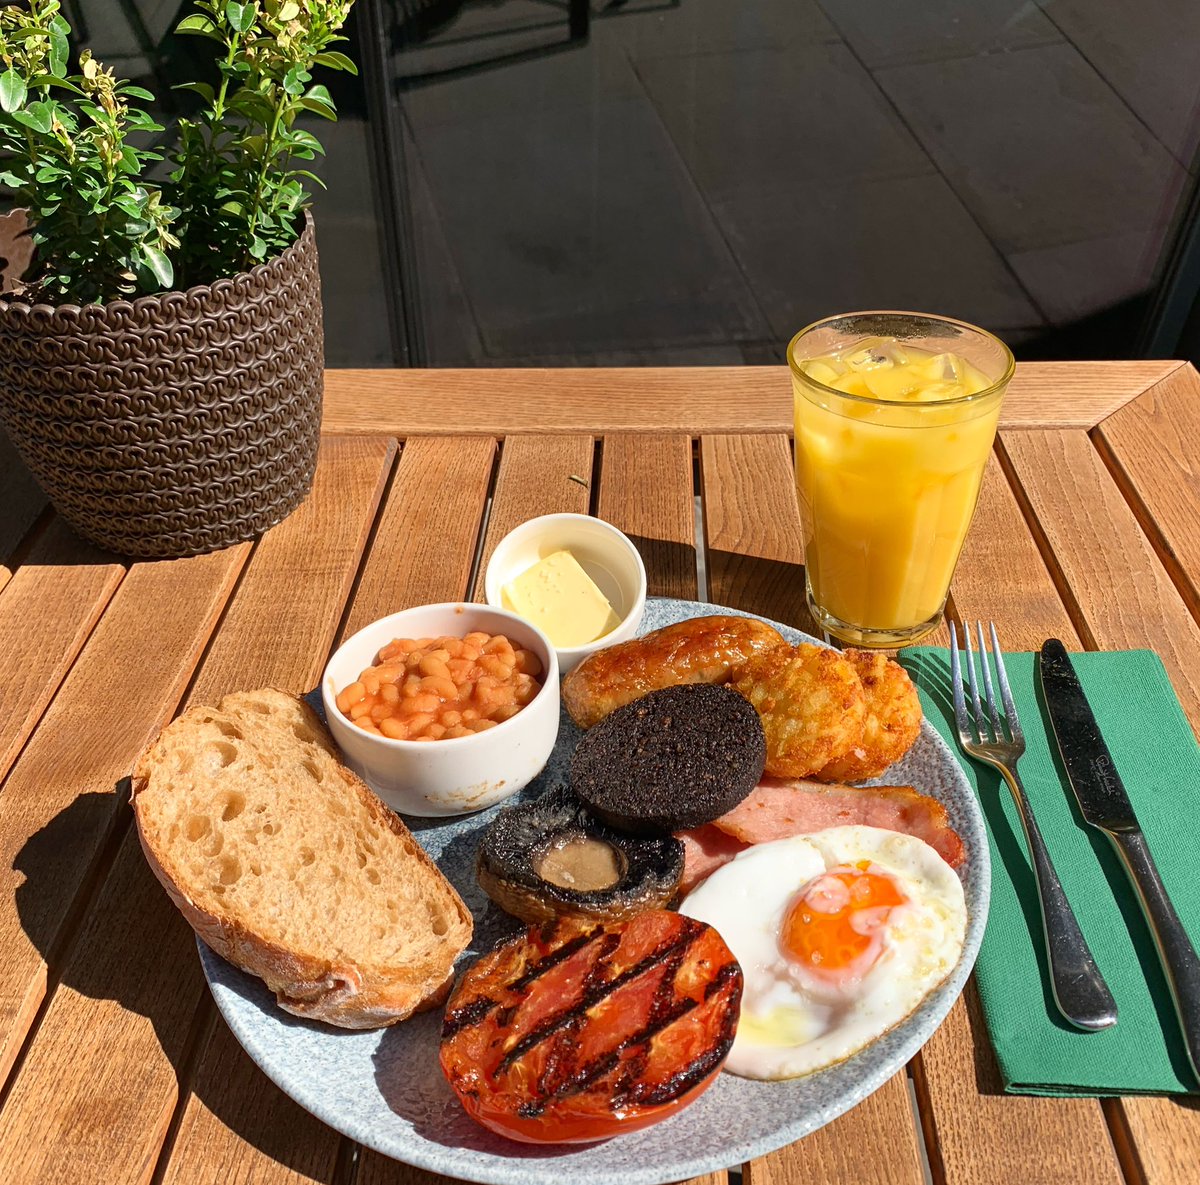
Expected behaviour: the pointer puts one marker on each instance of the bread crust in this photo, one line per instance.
(336, 990)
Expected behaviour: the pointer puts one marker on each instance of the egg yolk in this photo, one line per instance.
(834, 926)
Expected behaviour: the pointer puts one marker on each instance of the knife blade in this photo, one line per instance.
(1105, 805)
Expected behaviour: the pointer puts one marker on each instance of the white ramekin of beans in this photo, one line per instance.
(444, 709)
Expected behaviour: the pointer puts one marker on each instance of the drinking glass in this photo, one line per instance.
(887, 486)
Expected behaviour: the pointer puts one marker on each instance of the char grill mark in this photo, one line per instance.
(598, 992)
(467, 1016)
(555, 957)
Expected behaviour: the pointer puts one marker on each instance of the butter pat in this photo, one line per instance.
(562, 600)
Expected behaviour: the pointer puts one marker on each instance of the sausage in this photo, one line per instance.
(699, 650)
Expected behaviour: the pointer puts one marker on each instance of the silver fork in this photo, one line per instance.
(1079, 989)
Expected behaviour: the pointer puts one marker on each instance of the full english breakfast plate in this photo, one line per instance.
(383, 1088)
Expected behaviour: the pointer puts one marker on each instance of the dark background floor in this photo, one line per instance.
(695, 180)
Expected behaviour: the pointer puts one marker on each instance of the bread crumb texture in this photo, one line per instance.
(251, 815)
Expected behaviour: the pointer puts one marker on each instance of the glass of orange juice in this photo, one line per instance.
(895, 417)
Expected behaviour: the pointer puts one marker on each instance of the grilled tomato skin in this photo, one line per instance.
(579, 1030)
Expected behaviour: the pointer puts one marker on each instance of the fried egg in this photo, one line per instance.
(840, 934)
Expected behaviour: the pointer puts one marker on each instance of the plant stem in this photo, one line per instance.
(264, 166)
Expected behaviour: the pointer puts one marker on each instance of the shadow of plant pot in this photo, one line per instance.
(177, 423)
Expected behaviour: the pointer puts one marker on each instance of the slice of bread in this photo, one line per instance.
(290, 868)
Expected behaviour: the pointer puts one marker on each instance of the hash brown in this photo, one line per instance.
(811, 703)
(891, 725)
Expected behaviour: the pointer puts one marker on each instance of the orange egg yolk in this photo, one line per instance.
(834, 926)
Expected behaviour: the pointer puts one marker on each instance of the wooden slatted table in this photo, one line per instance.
(114, 1066)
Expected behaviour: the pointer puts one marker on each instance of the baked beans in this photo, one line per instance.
(427, 689)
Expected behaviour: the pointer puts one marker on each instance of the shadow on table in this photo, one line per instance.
(134, 947)
(769, 588)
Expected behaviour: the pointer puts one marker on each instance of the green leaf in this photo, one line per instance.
(59, 52)
(294, 80)
(333, 60)
(317, 107)
(50, 80)
(302, 139)
(135, 92)
(232, 207)
(11, 180)
(159, 265)
(35, 117)
(198, 25)
(240, 16)
(198, 88)
(289, 12)
(320, 94)
(258, 248)
(141, 122)
(12, 90)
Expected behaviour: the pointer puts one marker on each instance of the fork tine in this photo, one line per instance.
(980, 719)
(987, 684)
(1010, 707)
(960, 701)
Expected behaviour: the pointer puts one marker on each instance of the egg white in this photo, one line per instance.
(793, 1023)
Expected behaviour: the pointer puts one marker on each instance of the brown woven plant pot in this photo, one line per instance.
(173, 424)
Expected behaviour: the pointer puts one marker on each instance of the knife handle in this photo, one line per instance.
(1175, 949)
(1079, 989)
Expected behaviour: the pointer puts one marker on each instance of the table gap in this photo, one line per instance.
(699, 524)
(1124, 1145)
(1145, 520)
(918, 1125)
(203, 1023)
(1061, 586)
(485, 518)
(931, 1157)
(339, 635)
(345, 1167)
(594, 477)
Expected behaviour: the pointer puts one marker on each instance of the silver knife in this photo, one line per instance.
(1105, 804)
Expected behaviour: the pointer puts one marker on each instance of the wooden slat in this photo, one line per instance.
(426, 538)
(46, 613)
(1001, 575)
(21, 501)
(59, 806)
(1126, 599)
(753, 545)
(646, 491)
(1123, 591)
(427, 565)
(109, 1051)
(976, 1135)
(872, 1144)
(238, 1127)
(537, 475)
(699, 400)
(1151, 444)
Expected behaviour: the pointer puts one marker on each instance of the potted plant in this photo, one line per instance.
(161, 364)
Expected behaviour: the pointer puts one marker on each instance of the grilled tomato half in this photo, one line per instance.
(579, 1030)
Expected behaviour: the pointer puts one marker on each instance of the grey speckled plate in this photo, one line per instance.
(384, 1088)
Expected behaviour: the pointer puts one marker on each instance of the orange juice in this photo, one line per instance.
(891, 444)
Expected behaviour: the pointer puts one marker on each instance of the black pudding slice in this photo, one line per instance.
(675, 758)
(529, 839)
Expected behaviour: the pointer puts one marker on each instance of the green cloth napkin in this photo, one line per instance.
(1159, 761)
